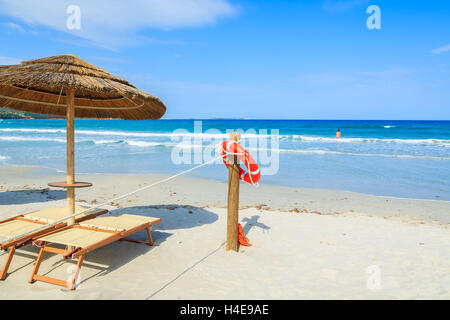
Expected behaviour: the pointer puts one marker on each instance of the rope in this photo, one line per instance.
(115, 199)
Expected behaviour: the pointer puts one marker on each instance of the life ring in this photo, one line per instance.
(253, 175)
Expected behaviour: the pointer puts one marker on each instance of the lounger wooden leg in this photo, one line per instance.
(69, 284)
(37, 264)
(150, 239)
(4, 272)
(76, 274)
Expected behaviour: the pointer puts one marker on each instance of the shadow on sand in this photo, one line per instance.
(113, 256)
(253, 222)
(173, 216)
(249, 224)
(30, 196)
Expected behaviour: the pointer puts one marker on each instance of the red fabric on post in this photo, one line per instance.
(242, 239)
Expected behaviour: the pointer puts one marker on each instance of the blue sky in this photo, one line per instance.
(253, 59)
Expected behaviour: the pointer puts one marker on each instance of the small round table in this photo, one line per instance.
(70, 186)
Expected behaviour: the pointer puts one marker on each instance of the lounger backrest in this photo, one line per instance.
(52, 214)
(119, 223)
(15, 227)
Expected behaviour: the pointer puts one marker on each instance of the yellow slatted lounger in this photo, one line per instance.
(28, 222)
(88, 236)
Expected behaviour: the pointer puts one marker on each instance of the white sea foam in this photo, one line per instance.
(27, 138)
(136, 143)
(157, 134)
(310, 151)
(129, 133)
(33, 130)
(2, 158)
(102, 141)
(435, 142)
(170, 135)
(324, 152)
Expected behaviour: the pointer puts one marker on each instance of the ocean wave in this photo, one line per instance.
(143, 144)
(319, 152)
(168, 135)
(388, 127)
(182, 145)
(133, 134)
(435, 142)
(217, 136)
(324, 152)
(98, 142)
(33, 130)
(133, 143)
(59, 140)
(25, 138)
(104, 141)
(256, 150)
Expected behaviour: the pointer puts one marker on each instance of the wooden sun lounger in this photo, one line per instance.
(28, 222)
(88, 236)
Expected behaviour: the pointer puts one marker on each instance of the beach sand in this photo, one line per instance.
(307, 243)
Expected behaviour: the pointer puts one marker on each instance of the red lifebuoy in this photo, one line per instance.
(253, 175)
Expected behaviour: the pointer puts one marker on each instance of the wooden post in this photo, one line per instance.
(70, 118)
(233, 198)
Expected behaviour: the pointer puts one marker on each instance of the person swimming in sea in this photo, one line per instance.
(338, 134)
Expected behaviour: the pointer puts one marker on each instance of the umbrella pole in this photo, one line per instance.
(70, 117)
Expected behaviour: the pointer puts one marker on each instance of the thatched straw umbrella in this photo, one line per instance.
(69, 86)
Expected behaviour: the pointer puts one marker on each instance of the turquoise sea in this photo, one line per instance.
(390, 158)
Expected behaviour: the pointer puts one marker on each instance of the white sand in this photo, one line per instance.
(307, 244)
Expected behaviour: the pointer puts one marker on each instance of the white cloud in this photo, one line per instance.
(15, 26)
(115, 22)
(441, 49)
